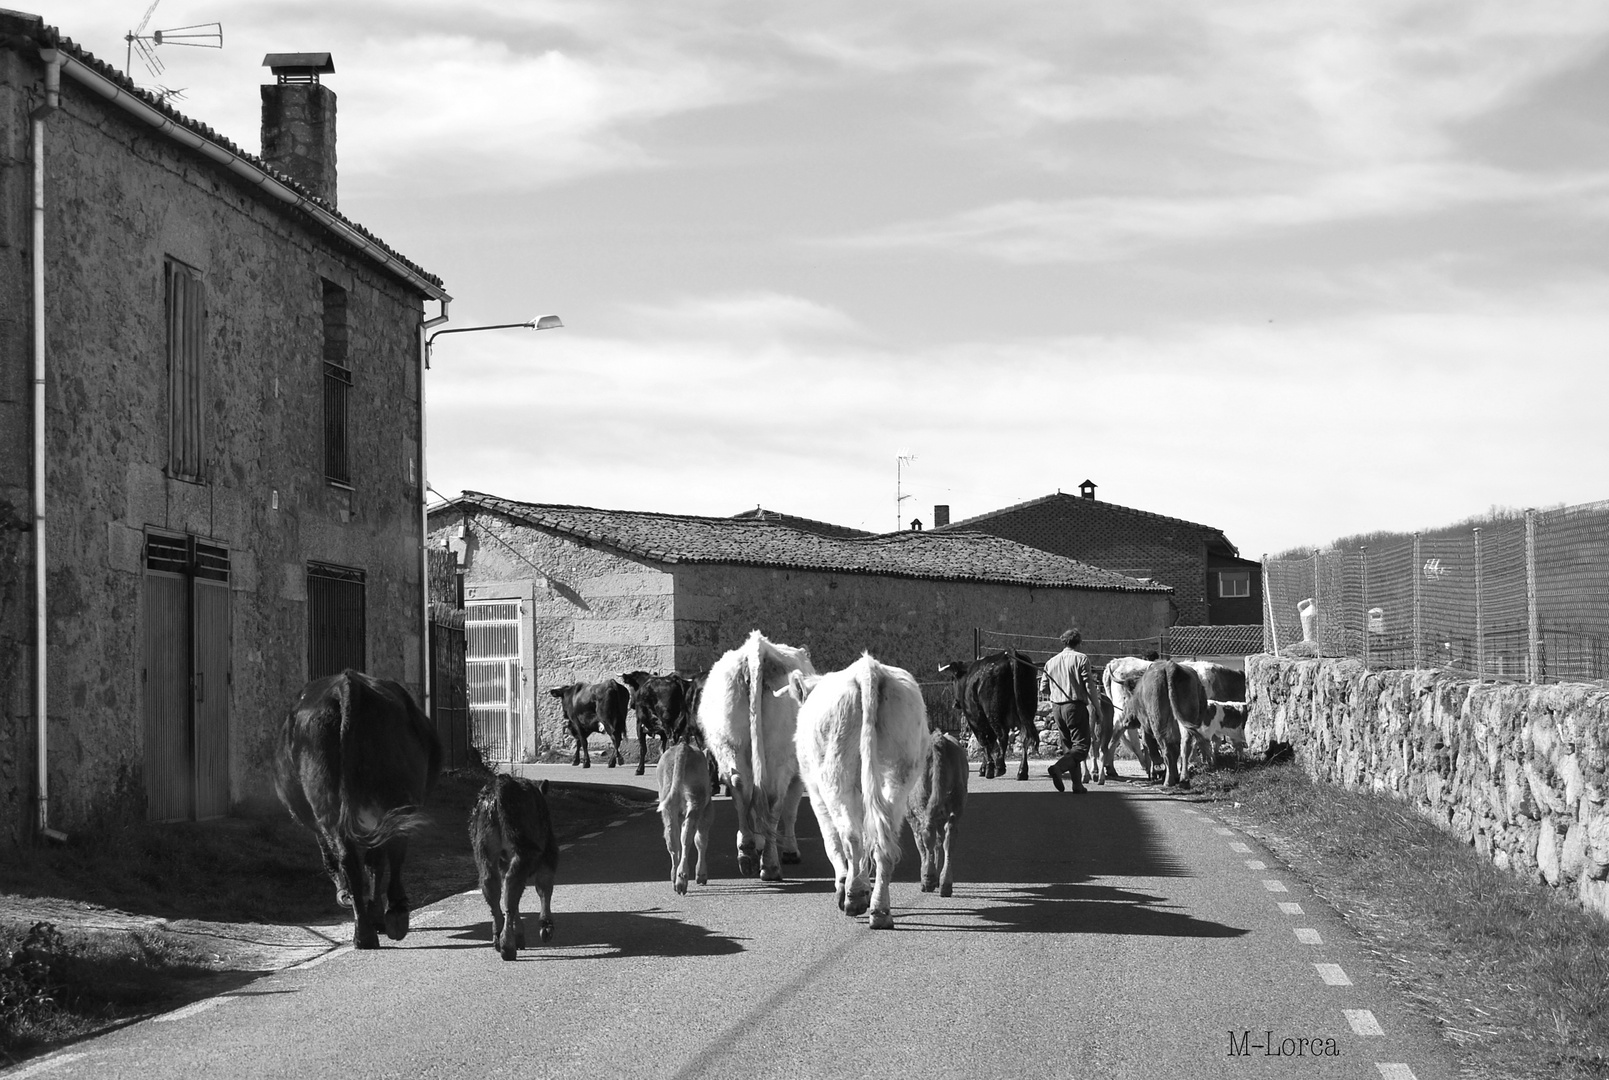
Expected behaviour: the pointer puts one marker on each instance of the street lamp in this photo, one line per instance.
(545, 322)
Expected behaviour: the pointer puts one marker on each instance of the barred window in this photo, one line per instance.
(337, 630)
(337, 388)
(185, 310)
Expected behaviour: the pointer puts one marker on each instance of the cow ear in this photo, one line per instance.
(543, 786)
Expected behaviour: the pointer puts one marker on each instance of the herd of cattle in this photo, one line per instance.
(357, 759)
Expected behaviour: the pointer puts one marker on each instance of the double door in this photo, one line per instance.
(186, 678)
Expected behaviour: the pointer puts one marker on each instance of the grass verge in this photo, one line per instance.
(1515, 975)
(62, 983)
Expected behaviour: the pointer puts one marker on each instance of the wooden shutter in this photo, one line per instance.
(186, 306)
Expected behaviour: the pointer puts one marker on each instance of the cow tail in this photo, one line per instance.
(756, 662)
(396, 822)
(879, 810)
(1025, 720)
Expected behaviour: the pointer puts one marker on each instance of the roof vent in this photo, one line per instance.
(1087, 489)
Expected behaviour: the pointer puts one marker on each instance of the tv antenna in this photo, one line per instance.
(902, 458)
(197, 36)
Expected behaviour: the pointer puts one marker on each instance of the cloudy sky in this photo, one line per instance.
(1294, 270)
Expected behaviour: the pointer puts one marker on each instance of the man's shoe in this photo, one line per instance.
(1055, 778)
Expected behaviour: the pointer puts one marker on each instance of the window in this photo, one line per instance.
(1234, 583)
(337, 388)
(336, 630)
(185, 309)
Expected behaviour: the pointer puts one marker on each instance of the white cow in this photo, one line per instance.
(862, 741)
(1118, 680)
(749, 729)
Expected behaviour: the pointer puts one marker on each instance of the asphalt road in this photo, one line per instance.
(1126, 933)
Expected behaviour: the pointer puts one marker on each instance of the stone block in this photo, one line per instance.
(1547, 853)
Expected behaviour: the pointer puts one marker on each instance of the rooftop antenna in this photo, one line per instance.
(904, 458)
(197, 36)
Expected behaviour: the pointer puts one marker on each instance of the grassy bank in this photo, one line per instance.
(1515, 975)
(58, 983)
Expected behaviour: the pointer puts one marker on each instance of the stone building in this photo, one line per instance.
(556, 594)
(228, 439)
(1212, 584)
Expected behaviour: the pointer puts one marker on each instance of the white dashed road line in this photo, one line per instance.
(1244, 849)
(1256, 864)
(1362, 1022)
(1307, 935)
(1289, 908)
(1274, 886)
(1332, 975)
(1394, 1070)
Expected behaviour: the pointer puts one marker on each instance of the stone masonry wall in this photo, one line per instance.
(1519, 772)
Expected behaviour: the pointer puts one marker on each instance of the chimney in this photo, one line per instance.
(941, 515)
(299, 121)
(1087, 489)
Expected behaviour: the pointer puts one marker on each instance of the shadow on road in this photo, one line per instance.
(1067, 909)
(603, 935)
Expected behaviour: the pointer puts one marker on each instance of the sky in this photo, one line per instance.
(1295, 271)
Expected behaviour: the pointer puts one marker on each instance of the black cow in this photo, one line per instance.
(660, 703)
(355, 760)
(511, 833)
(590, 707)
(998, 694)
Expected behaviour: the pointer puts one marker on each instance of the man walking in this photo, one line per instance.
(1073, 691)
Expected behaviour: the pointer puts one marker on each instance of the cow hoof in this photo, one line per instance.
(611, 764)
(1022, 773)
(858, 902)
(365, 938)
(586, 764)
(840, 894)
(703, 879)
(510, 954)
(545, 930)
(928, 886)
(945, 890)
(680, 885)
(770, 873)
(396, 924)
(748, 865)
(639, 768)
(882, 920)
(791, 857)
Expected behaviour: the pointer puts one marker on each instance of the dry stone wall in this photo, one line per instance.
(1519, 772)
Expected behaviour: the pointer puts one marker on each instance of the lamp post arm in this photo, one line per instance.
(467, 329)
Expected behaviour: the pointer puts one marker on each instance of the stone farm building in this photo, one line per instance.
(557, 594)
(229, 446)
(1211, 583)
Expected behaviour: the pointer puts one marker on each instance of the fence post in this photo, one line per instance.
(1416, 576)
(1533, 620)
(1318, 604)
(1364, 551)
(1268, 609)
(1480, 614)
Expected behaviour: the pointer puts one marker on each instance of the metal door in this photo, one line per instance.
(209, 692)
(492, 667)
(168, 776)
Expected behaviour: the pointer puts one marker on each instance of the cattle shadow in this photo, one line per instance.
(1067, 909)
(603, 935)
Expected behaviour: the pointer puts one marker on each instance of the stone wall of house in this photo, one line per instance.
(1520, 772)
(120, 200)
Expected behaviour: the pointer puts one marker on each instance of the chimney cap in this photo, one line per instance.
(299, 66)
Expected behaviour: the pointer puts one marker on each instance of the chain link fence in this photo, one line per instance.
(1524, 600)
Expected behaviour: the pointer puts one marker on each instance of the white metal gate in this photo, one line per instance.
(492, 664)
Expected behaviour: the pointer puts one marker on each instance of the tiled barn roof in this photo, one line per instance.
(1075, 504)
(47, 37)
(676, 538)
(803, 524)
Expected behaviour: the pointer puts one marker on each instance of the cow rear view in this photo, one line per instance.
(1170, 705)
(356, 760)
(685, 806)
(511, 833)
(934, 809)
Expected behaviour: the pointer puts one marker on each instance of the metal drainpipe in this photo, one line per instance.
(52, 59)
(424, 513)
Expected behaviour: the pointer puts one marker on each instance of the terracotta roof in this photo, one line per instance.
(803, 524)
(676, 538)
(1087, 505)
(34, 30)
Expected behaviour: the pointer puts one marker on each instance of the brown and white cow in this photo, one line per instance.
(511, 834)
(686, 809)
(1222, 682)
(356, 759)
(1226, 720)
(862, 740)
(998, 695)
(934, 807)
(1170, 705)
(589, 707)
(749, 730)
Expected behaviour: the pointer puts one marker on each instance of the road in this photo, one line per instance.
(1126, 933)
